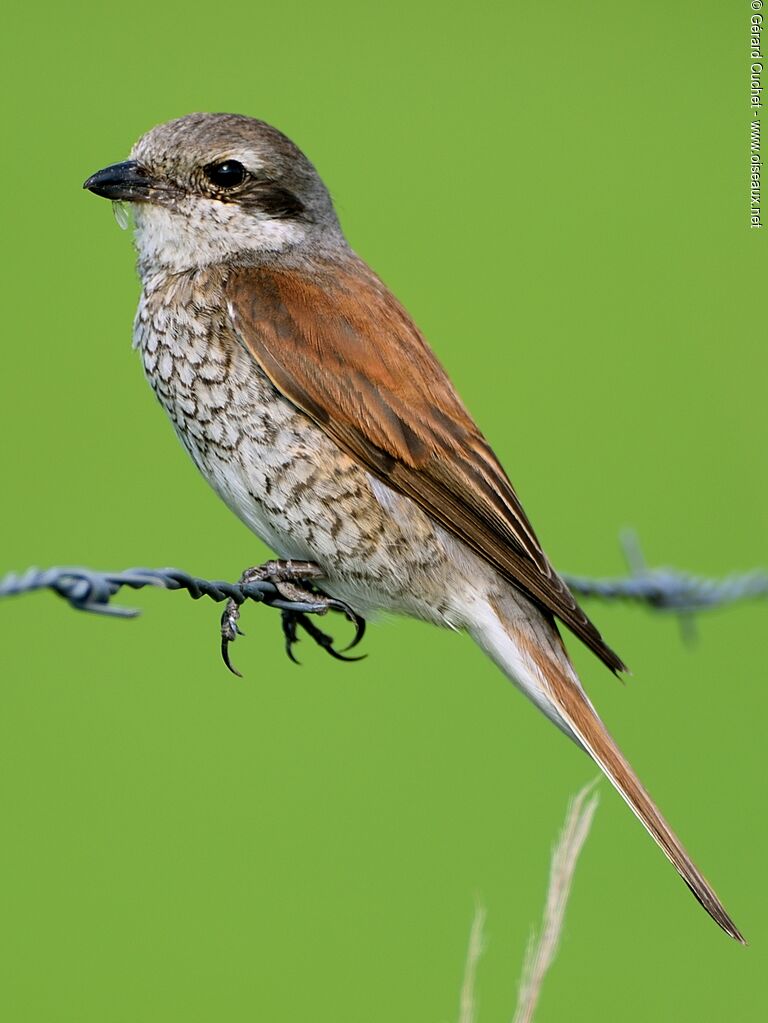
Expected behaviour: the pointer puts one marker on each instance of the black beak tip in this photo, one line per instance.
(128, 181)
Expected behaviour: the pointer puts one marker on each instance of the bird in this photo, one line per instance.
(313, 405)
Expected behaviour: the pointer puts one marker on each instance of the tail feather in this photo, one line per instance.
(537, 662)
(577, 710)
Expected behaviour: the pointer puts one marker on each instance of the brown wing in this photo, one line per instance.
(339, 346)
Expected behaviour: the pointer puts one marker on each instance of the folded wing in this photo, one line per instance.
(339, 346)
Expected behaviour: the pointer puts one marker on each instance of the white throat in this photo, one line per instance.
(199, 233)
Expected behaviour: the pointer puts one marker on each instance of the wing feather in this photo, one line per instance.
(339, 346)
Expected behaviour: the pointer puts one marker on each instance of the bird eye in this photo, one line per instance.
(227, 174)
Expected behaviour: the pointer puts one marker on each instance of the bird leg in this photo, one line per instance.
(295, 584)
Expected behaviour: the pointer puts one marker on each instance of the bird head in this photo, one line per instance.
(211, 188)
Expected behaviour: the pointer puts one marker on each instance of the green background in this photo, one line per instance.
(559, 195)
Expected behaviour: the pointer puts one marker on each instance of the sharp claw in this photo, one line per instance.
(351, 616)
(291, 655)
(342, 657)
(320, 637)
(230, 630)
(289, 631)
(323, 639)
(359, 624)
(340, 605)
(225, 656)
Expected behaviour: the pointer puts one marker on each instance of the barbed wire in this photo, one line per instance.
(86, 589)
(669, 589)
(662, 589)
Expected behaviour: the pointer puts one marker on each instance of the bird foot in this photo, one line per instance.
(295, 584)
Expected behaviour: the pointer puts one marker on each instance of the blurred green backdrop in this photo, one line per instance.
(559, 195)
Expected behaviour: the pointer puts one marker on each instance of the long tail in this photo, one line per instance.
(530, 652)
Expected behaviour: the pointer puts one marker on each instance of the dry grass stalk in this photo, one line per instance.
(475, 950)
(542, 952)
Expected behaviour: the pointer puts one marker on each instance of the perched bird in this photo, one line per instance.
(310, 401)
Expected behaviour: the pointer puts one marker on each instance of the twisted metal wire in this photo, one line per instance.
(86, 589)
(668, 589)
(663, 589)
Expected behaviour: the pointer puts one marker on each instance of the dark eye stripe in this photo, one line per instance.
(258, 193)
(274, 200)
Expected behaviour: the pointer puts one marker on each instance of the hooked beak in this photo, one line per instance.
(128, 181)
